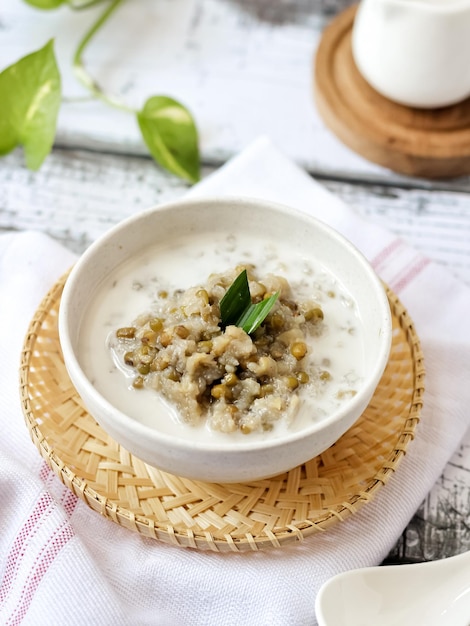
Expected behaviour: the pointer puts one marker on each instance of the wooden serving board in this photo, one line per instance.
(429, 143)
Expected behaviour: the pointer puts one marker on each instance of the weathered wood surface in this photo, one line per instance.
(243, 67)
(77, 195)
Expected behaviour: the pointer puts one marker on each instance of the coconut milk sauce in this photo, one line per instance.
(187, 262)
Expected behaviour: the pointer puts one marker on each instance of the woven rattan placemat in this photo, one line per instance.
(219, 517)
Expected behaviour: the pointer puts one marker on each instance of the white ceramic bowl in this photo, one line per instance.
(238, 460)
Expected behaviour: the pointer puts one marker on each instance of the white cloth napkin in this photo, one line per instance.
(61, 563)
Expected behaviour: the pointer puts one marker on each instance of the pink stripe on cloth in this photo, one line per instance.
(398, 265)
(45, 473)
(406, 277)
(46, 558)
(69, 503)
(380, 260)
(60, 533)
(43, 508)
(62, 493)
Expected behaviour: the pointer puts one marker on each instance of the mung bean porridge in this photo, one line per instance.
(151, 342)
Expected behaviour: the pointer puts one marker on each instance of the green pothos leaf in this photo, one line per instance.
(45, 4)
(170, 134)
(237, 309)
(30, 91)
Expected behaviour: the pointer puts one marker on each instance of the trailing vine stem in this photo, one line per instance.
(30, 97)
(79, 67)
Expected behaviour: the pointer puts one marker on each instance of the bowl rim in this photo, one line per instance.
(124, 422)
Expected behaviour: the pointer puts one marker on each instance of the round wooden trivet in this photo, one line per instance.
(430, 143)
(219, 517)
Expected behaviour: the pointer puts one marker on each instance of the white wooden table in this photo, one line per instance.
(244, 68)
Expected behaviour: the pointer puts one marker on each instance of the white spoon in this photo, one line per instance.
(436, 593)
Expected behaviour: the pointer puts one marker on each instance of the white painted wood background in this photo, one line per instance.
(244, 68)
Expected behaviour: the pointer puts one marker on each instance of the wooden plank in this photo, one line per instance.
(244, 68)
(77, 195)
(436, 222)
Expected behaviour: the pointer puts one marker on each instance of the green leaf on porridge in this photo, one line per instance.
(237, 309)
(29, 105)
(255, 315)
(235, 301)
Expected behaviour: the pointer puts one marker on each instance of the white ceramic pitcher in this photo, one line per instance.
(415, 52)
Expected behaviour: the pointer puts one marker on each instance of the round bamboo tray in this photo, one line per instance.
(221, 517)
